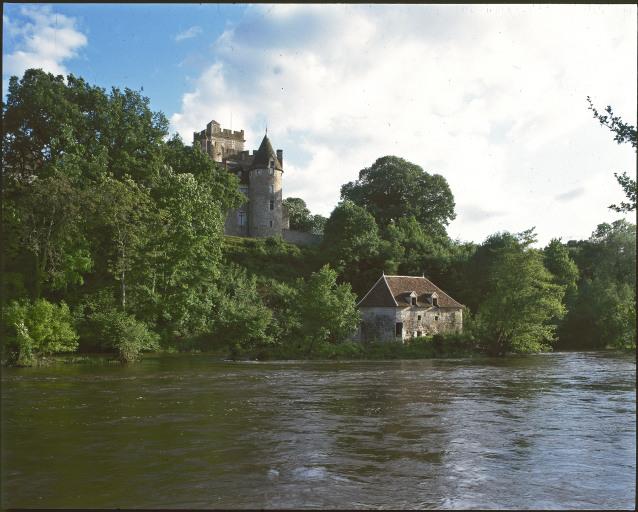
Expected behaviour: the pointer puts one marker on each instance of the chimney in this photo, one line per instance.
(280, 156)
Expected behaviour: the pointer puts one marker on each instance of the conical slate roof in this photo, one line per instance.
(264, 154)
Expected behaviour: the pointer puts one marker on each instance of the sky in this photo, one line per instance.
(492, 97)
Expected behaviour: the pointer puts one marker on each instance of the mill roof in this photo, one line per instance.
(264, 154)
(395, 291)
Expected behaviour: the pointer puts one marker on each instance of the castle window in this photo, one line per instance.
(272, 171)
(272, 204)
(436, 318)
(272, 189)
(418, 317)
(271, 223)
(258, 172)
(241, 218)
(271, 164)
(398, 329)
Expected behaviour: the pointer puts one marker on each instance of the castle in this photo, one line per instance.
(260, 179)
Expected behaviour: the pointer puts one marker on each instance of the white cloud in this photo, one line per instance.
(491, 97)
(188, 33)
(43, 39)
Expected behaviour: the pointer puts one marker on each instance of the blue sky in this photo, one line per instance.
(491, 97)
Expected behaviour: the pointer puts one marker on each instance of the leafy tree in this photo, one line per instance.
(422, 253)
(558, 261)
(124, 211)
(523, 301)
(36, 329)
(624, 133)
(604, 313)
(239, 317)
(393, 188)
(298, 214)
(351, 245)
(318, 224)
(327, 310)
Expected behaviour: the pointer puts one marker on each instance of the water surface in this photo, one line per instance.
(187, 431)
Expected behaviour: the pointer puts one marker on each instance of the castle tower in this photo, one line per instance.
(265, 210)
(219, 143)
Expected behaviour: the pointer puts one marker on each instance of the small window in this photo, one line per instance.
(398, 329)
(436, 318)
(271, 223)
(272, 189)
(272, 171)
(435, 302)
(418, 317)
(413, 301)
(241, 218)
(418, 334)
(272, 204)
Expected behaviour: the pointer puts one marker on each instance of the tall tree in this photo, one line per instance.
(393, 188)
(519, 312)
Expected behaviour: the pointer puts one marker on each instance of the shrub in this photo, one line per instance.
(34, 330)
(104, 327)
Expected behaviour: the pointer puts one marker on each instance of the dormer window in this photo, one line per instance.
(412, 299)
(435, 302)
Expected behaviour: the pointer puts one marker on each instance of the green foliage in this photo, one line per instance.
(239, 317)
(559, 262)
(352, 245)
(298, 214)
(603, 314)
(36, 329)
(393, 188)
(327, 310)
(516, 314)
(104, 327)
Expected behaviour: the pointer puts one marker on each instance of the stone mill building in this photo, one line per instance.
(404, 307)
(260, 176)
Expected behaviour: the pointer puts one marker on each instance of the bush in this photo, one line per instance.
(104, 327)
(34, 330)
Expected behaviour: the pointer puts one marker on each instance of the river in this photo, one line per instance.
(187, 431)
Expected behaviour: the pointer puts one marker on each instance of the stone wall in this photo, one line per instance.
(379, 323)
(300, 237)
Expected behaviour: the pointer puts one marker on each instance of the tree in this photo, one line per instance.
(558, 261)
(517, 315)
(327, 310)
(393, 188)
(624, 133)
(352, 246)
(603, 315)
(298, 214)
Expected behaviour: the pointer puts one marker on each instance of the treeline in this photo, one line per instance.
(112, 237)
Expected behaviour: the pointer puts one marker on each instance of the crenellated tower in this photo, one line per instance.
(260, 180)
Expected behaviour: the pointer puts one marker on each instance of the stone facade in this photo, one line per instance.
(405, 307)
(260, 175)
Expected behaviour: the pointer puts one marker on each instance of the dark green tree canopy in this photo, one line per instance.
(393, 188)
(298, 214)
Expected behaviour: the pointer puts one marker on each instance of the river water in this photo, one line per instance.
(187, 431)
